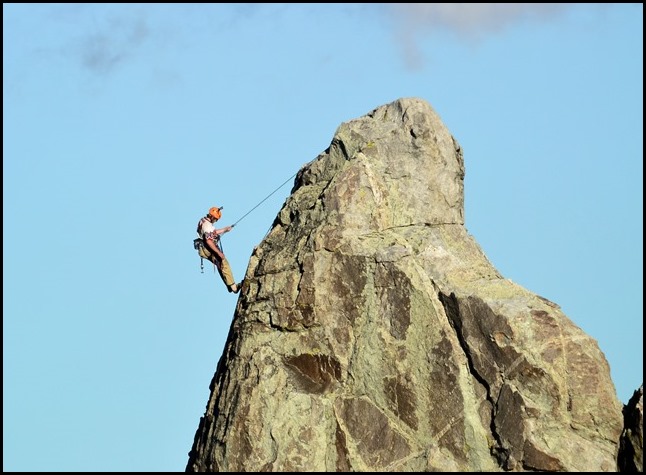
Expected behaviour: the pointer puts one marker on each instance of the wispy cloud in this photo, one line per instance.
(102, 38)
(468, 21)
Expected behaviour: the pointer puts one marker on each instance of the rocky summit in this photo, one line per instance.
(373, 334)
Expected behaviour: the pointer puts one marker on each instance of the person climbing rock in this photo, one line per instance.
(213, 250)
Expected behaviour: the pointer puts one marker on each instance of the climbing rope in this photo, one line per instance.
(219, 241)
(265, 199)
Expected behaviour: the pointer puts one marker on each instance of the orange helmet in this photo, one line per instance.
(215, 212)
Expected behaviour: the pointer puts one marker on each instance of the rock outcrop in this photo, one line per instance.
(373, 334)
(631, 451)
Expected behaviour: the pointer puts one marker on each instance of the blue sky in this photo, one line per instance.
(124, 123)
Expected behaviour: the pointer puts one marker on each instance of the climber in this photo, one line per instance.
(213, 251)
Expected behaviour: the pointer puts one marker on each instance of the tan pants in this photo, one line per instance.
(224, 269)
(223, 266)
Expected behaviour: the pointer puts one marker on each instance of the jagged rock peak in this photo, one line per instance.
(399, 162)
(373, 334)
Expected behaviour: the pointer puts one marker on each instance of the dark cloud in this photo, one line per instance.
(102, 50)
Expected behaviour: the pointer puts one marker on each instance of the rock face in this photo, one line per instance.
(372, 333)
(631, 452)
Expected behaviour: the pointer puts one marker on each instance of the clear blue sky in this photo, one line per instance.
(124, 123)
